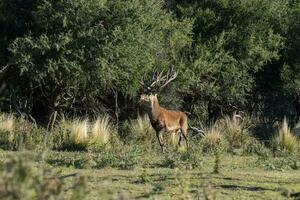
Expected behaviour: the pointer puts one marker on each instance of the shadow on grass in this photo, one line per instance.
(248, 188)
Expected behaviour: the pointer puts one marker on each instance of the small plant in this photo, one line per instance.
(284, 140)
(173, 139)
(79, 131)
(217, 162)
(145, 177)
(101, 132)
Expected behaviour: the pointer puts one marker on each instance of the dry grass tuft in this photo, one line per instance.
(233, 131)
(7, 123)
(285, 139)
(101, 131)
(213, 139)
(77, 130)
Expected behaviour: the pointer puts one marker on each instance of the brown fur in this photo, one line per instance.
(165, 121)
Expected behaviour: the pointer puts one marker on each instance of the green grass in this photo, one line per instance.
(240, 177)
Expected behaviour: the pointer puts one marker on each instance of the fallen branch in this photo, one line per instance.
(6, 67)
(67, 176)
(199, 131)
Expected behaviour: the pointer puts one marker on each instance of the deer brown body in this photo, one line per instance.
(165, 121)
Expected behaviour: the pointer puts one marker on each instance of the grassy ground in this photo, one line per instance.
(152, 177)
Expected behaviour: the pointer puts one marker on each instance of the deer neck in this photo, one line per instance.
(155, 108)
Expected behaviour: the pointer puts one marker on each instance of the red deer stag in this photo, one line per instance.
(163, 120)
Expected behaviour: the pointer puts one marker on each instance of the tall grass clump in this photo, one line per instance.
(7, 132)
(7, 123)
(101, 132)
(141, 131)
(233, 131)
(72, 134)
(213, 139)
(285, 140)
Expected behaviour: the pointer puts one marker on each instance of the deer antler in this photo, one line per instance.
(159, 77)
(171, 75)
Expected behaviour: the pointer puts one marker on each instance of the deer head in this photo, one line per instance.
(157, 83)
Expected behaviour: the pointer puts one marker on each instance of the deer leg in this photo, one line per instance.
(160, 138)
(180, 138)
(184, 134)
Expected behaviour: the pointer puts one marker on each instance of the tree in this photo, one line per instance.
(80, 53)
(291, 61)
(233, 40)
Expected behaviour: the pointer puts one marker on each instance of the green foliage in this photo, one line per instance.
(145, 177)
(81, 50)
(232, 41)
(287, 162)
(253, 146)
(18, 134)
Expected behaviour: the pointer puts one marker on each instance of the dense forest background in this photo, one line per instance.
(87, 57)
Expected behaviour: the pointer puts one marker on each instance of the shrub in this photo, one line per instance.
(173, 138)
(284, 140)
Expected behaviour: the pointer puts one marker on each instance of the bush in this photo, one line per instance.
(7, 134)
(284, 140)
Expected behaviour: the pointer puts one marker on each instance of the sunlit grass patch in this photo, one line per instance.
(73, 134)
(7, 123)
(101, 132)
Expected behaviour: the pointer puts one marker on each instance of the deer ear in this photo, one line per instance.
(155, 95)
